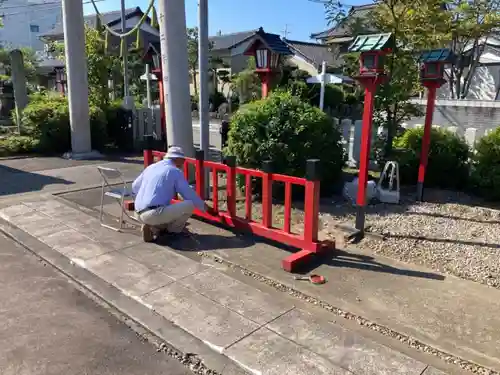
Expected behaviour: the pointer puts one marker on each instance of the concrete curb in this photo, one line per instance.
(167, 332)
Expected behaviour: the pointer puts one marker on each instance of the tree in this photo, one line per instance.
(30, 62)
(412, 24)
(470, 25)
(247, 83)
(192, 46)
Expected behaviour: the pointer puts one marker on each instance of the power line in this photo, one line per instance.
(49, 8)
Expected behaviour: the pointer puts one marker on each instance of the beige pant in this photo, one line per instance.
(172, 218)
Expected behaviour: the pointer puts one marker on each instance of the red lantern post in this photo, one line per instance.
(267, 49)
(373, 48)
(153, 55)
(431, 76)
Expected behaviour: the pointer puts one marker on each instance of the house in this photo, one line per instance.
(343, 34)
(24, 20)
(310, 56)
(485, 84)
(49, 64)
(306, 56)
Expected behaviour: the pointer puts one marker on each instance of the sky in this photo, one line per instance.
(301, 20)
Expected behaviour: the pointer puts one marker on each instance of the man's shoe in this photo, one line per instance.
(147, 233)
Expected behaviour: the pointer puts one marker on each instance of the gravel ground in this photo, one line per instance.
(451, 232)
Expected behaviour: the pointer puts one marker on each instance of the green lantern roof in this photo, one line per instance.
(372, 42)
(443, 55)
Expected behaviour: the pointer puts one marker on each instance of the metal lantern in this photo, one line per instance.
(266, 59)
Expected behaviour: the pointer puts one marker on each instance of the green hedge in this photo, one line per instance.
(448, 158)
(46, 119)
(485, 176)
(288, 131)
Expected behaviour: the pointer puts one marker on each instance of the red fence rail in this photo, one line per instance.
(307, 241)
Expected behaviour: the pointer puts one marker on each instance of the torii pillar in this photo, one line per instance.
(77, 80)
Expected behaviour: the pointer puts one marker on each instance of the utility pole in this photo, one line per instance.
(203, 101)
(76, 71)
(285, 31)
(203, 74)
(173, 41)
(125, 57)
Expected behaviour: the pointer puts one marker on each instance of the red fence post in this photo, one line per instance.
(148, 150)
(311, 204)
(199, 174)
(267, 194)
(231, 185)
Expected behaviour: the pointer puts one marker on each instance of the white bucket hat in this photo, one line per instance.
(175, 152)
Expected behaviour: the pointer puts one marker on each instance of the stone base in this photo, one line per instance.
(83, 155)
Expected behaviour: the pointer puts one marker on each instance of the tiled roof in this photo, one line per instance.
(227, 41)
(344, 28)
(111, 18)
(274, 42)
(443, 55)
(372, 42)
(315, 53)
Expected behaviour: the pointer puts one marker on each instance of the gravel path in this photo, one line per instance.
(451, 232)
(456, 236)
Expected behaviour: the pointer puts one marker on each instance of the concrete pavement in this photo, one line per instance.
(262, 332)
(51, 328)
(243, 321)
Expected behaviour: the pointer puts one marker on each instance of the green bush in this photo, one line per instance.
(46, 119)
(288, 131)
(485, 176)
(448, 158)
(17, 144)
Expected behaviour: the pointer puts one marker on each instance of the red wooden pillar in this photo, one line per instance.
(199, 174)
(426, 140)
(311, 203)
(267, 194)
(364, 158)
(231, 185)
(159, 77)
(265, 78)
(148, 150)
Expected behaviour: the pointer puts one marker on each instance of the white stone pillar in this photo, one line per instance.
(76, 71)
(173, 39)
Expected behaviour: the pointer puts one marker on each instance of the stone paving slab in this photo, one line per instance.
(126, 274)
(456, 316)
(267, 353)
(247, 301)
(342, 347)
(214, 324)
(228, 315)
(156, 258)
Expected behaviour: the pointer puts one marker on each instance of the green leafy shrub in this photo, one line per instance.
(288, 131)
(485, 176)
(448, 158)
(17, 144)
(46, 119)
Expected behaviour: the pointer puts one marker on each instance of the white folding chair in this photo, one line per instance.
(117, 193)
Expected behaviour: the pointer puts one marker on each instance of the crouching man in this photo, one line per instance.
(154, 189)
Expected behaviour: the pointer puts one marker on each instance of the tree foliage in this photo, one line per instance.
(468, 28)
(30, 62)
(463, 26)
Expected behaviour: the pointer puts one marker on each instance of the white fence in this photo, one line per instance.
(146, 122)
(351, 134)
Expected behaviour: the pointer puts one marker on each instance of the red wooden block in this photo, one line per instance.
(129, 205)
(296, 260)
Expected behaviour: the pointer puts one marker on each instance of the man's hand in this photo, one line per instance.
(209, 210)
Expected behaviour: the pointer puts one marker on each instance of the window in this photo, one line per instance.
(34, 28)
